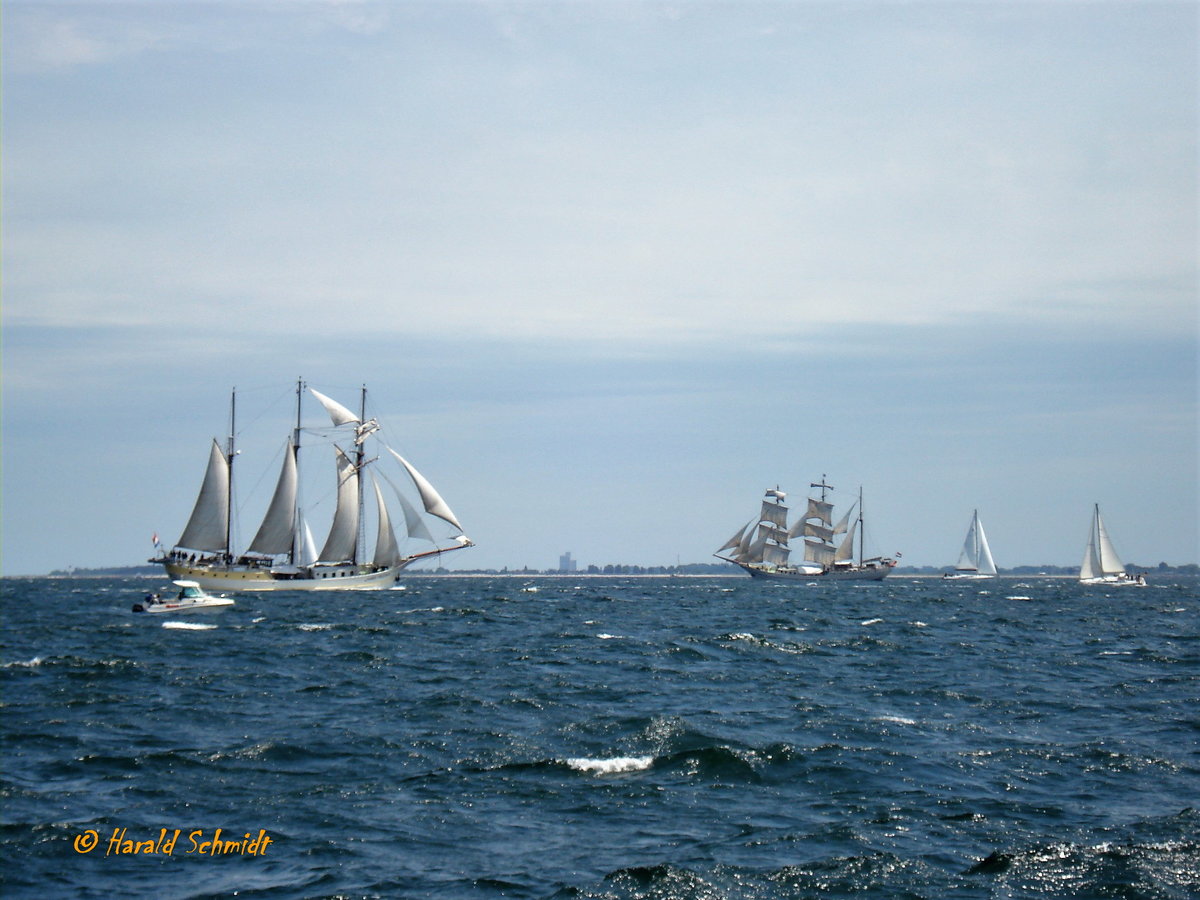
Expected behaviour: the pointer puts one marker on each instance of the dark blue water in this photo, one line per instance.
(606, 738)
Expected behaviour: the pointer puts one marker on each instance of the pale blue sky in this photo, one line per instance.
(610, 269)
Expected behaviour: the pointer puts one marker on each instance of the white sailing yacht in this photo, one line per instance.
(975, 561)
(761, 547)
(282, 555)
(1101, 565)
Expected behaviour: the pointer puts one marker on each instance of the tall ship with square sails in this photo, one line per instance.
(283, 555)
(762, 547)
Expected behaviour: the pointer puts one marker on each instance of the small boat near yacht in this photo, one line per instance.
(190, 598)
(1101, 565)
(761, 548)
(975, 561)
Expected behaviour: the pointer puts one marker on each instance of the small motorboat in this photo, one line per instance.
(190, 597)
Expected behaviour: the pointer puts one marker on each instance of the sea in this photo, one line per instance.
(604, 737)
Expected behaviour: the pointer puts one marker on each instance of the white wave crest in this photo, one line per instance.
(612, 766)
(871, 621)
(24, 664)
(314, 627)
(188, 626)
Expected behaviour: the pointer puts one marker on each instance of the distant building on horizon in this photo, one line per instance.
(566, 564)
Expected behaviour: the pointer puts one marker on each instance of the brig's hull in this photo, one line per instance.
(841, 573)
(314, 578)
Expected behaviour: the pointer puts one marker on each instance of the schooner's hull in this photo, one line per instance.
(847, 573)
(247, 578)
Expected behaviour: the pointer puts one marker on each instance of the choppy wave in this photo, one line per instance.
(618, 739)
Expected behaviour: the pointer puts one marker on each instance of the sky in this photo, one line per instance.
(609, 270)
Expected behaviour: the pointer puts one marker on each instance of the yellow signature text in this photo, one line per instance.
(198, 843)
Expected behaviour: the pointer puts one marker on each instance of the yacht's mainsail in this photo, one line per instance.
(282, 554)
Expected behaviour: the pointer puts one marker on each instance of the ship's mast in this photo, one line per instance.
(297, 536)
(862, 537)
(822, 485)
(230, 453)
(360, 550)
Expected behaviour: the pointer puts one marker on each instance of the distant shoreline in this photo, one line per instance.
(922, 572)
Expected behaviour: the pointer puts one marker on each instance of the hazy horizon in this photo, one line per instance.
(610, 269)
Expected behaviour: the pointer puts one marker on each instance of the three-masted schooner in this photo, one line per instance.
(282, 555)
(1101, 565)
(761, 546)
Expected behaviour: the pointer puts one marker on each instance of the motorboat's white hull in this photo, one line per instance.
(315, 578)
(183, 606)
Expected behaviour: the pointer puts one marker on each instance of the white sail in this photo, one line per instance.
(818, 552)
(307, 549)
(811, 529)
(820, 509)
(434, 504)
(1110, 563)
(208, 527)
(846, 550)
(343, 536)
(976, 555)
(774, 513)
(387, 553)
(844, 521)
(775, 555)
(755, 553)
(276, 535)
(1089, 568)
(770, 532)
(338, 413)
(736, 539)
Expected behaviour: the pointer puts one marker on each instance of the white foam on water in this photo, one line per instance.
(871, 621)
(612, 766)
(607, 637)
(188, 626)
(314, 627)
(24, 664)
